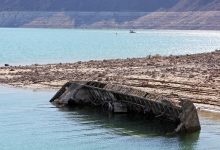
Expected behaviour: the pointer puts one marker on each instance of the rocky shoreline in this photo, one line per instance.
(195, 76)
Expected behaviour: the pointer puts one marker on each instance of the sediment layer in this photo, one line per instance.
(190, 20)
(195, 76)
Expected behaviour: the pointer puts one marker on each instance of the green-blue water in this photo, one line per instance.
(27, 46)
(29, 121)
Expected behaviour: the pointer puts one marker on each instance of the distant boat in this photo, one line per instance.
(132, 31)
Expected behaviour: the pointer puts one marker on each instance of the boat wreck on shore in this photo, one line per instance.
(122, 99)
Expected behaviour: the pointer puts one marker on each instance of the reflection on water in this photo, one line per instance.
(188, 141)
(121, 123)
(29, 121)
(130, 125)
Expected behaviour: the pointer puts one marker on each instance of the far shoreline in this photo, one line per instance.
(111, 29)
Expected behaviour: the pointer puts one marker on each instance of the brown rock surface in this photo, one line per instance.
(195, 76)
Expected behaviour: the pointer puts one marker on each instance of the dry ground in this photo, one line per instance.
(194, 76)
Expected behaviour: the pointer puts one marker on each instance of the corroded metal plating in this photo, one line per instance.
(109, 96)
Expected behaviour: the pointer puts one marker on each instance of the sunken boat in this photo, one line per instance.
(123, 99)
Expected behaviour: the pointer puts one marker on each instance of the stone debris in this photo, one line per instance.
(195, 76)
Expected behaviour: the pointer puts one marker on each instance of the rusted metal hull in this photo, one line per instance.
(120, 99)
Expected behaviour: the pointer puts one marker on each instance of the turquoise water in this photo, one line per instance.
(28, 46)
(29, 121)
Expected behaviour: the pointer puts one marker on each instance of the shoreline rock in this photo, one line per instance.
(195, 76)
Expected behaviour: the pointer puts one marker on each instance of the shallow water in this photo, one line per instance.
(28, 46)
(29, 121)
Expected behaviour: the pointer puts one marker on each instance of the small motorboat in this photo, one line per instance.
(132, 31)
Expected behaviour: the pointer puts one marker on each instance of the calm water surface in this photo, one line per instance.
(29, 121)
(28, 46)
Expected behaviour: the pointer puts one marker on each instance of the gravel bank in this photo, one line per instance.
(195, 76)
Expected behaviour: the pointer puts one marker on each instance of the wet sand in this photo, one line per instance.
(195, 76)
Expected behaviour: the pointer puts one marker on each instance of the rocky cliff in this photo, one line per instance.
(169, 14)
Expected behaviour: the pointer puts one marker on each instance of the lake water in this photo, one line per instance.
(29, 121)
(28, 46)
